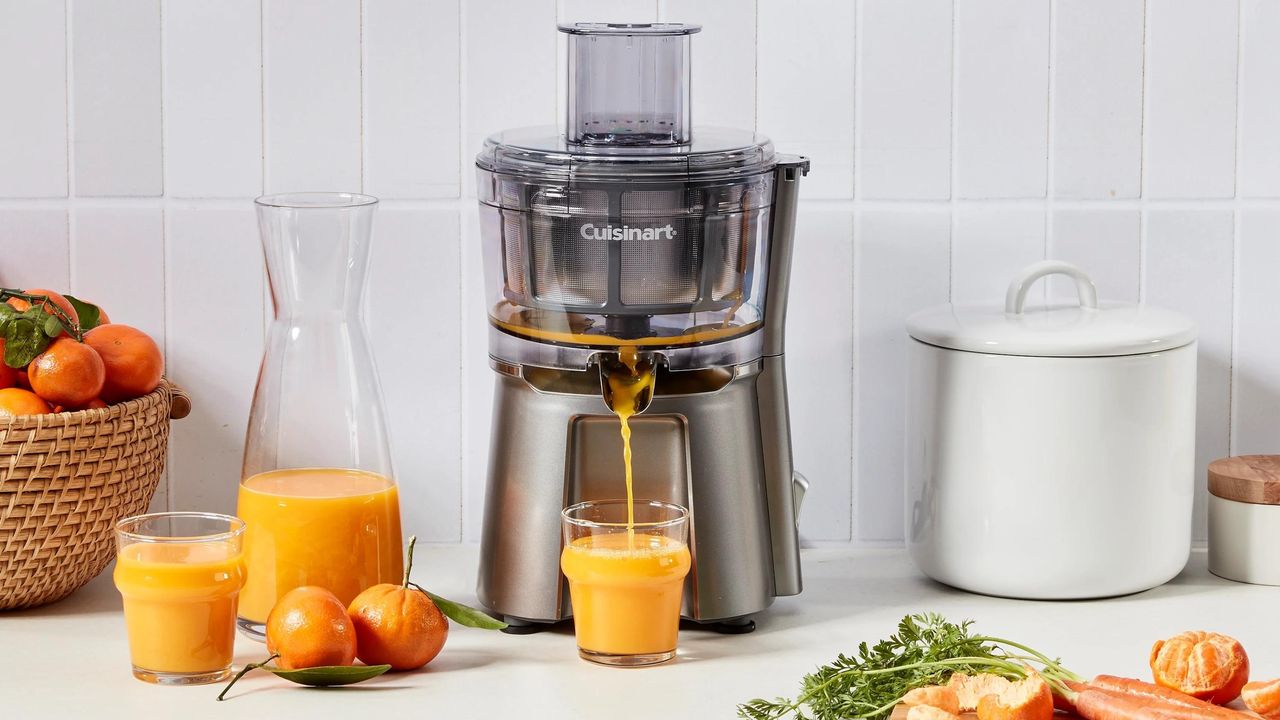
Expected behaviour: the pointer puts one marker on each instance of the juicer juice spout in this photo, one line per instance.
(627, 379)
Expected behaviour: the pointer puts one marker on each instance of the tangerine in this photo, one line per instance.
(398, 625)
(1026, 699)
(16, 401)
(1204, 665)
(67, 373)
(1263, 697)
(309, 627)
(132, 360)
(51, 297)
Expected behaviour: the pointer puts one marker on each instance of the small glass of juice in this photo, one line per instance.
(626, 578)
(180, 574)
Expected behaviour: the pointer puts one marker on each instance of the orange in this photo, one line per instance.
(8, 375)
(942, 697)
(309, 627)
(16, 401)
(1201, 664)
(398, 625)
(1263, 697)
(1027, 699)
(67, 373)
(132, 359)
(52, 298)
(929, 712)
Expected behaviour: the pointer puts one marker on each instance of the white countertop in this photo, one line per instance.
(70, 659)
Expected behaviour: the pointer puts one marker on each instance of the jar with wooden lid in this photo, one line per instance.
(1244, 518)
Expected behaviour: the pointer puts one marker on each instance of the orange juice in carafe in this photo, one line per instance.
(332, 527)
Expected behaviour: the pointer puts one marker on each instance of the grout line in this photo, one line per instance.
(1236, 146)
(453, 201)
(1232, 328)
(360, 106)
(1050, 186)
(262, 85)
(1143, 139)
(164, 130)
(69, 75)
(952, 193)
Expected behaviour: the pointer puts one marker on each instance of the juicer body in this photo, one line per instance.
(715, 439)
(627, 230)
(707, 451)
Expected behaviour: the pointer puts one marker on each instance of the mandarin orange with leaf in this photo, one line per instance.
(309, 627)
(131, 358)
(67, 373)
(51, 298)
(398, 625)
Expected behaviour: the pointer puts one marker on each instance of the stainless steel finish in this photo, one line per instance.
(787, 192)
(553, 449)
(779, 475)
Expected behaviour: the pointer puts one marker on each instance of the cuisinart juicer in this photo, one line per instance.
(629, 229)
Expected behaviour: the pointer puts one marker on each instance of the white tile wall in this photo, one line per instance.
(953, 141)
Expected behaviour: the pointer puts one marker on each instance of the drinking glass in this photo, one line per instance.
(626, 582)
(179, 574)
(317, 487)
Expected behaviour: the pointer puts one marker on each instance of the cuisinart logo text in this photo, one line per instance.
(609, 232)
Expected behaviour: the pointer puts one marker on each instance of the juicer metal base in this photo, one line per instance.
(724, 454)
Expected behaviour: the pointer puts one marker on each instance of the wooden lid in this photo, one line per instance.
(1246, 478)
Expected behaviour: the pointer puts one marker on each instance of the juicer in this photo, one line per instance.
(629, 230)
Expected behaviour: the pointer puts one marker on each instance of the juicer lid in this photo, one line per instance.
(544, 153)
(1085, 329)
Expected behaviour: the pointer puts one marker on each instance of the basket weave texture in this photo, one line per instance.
(65, 479)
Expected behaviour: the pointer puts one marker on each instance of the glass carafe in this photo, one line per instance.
(316, 490)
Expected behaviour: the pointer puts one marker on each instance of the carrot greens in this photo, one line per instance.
(926, 650)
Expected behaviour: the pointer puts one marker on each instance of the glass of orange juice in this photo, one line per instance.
(626, 581)
(180, 574)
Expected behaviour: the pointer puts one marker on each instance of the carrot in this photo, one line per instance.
(1093, 704)
(1145, 690)
(1098, 704)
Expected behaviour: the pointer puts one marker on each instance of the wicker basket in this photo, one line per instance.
(65, 480)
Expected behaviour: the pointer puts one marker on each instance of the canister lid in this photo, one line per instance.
(1246, 478)
(1085, 329)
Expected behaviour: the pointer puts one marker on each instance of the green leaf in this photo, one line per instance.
(89, 314)
(462, 614)
(330, 675)
(24, 339)
(52, 326)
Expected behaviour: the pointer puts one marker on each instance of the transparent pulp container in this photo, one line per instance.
(316, 490)
(626, 226)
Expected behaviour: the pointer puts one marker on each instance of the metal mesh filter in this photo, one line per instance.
(737, 235)
(566, 268)
(663, 270)
(513, 250)
(648, 203)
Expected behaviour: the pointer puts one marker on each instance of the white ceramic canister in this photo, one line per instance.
(1050, 452)
(1244, 518)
